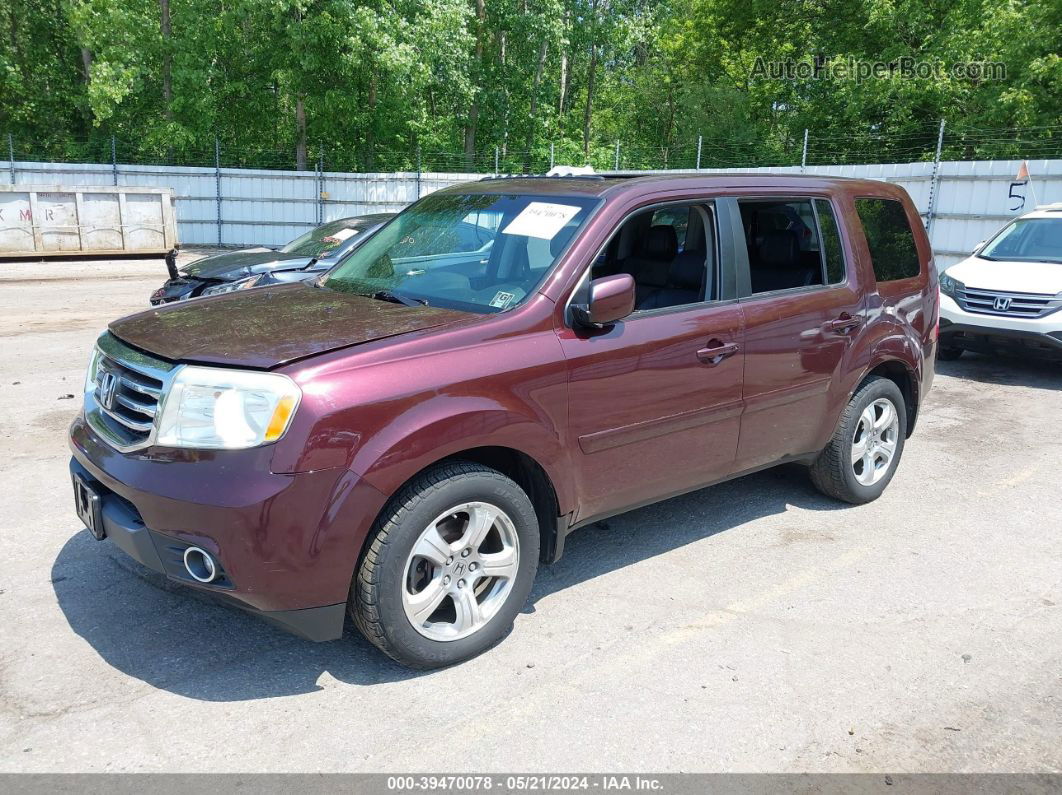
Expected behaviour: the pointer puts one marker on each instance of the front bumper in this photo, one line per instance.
(1039, 338)
(287, 545)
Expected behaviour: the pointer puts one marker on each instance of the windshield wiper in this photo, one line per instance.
(395, 298)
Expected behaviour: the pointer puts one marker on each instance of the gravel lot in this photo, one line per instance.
(755, 626)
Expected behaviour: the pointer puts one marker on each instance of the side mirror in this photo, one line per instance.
(979, 246)
(611, 299)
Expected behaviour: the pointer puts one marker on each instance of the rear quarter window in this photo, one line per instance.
(832, 253)
(889, 237)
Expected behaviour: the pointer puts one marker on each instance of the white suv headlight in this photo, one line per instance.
(214, 408)
(231, 287)
(949, 285)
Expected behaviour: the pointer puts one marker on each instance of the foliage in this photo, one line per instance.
(367, 84)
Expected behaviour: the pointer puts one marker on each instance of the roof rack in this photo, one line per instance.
(542, 176)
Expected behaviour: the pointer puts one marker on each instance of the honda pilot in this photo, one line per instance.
(405, 440)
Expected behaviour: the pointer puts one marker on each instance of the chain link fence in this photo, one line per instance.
(230, 196)
(702, 152)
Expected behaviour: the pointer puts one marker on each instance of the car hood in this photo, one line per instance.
(1008, 275)
(246, 262)
(270, 326)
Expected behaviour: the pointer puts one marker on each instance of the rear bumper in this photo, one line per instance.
(287, 545)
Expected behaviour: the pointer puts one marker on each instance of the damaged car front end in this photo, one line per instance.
(305, 257)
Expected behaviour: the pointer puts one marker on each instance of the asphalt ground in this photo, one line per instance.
(754, 626)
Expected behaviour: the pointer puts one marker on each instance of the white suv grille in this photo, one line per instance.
(991, 302)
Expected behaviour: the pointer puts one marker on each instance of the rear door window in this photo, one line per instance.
(889, 237)
(782, 242)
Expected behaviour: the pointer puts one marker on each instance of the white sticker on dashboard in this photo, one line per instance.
(342, 234)
(501, 299)
(541, 219)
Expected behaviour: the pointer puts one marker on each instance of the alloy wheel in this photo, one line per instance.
(460, 571)
(875, 440)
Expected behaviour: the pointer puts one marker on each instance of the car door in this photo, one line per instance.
(655, 399)
(802, 308)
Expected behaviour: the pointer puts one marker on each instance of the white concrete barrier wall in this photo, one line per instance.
(266, 207)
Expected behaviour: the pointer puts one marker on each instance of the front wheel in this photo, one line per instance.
(861, 458)
(449, 565)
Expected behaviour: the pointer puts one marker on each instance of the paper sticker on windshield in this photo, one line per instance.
(541, 219)
(501, 299)
(342, 235)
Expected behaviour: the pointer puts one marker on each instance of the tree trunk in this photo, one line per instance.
(473, 110)
(167, 61)
(300, 133)
(591, 75)
(564, 63)
(370, 133)
(86, 71)
(470, 135)
(502, 41)
(86, 64)
(539, 69)
(669, 129)
(13, 32)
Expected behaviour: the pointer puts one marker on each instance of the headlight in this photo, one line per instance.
(93, 369)
(213, 408)
(950, 286)
(229, 287)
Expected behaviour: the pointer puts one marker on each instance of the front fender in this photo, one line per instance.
(444, 426)
(386, 412)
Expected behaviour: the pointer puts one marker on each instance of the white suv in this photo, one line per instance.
(1007, 295)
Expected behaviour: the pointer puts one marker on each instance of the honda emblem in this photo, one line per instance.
(108, 388)
(1001, 304)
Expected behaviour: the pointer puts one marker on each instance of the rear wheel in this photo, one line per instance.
(948, 354)
(861, 459)
(449, 565)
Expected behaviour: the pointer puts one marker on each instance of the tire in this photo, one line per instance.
(836, 472)
(406, 565)
(948, 354)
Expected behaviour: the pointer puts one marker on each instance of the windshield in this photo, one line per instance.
(320, 241)
(1033, 239)
(478, 253)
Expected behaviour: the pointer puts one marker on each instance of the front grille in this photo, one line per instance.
(991, 302)
(125, 401)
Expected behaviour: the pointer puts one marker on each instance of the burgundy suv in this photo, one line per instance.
(409, 437)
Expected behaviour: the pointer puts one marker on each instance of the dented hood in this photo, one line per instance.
(271, 326)
(235, 265)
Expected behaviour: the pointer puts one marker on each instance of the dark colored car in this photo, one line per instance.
(306, 257)
(406, 439)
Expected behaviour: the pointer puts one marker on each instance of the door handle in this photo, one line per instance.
(716, 351)
(845, 322)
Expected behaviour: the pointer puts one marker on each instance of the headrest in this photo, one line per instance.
(661, 243)
(779, 247)
(687, 270)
